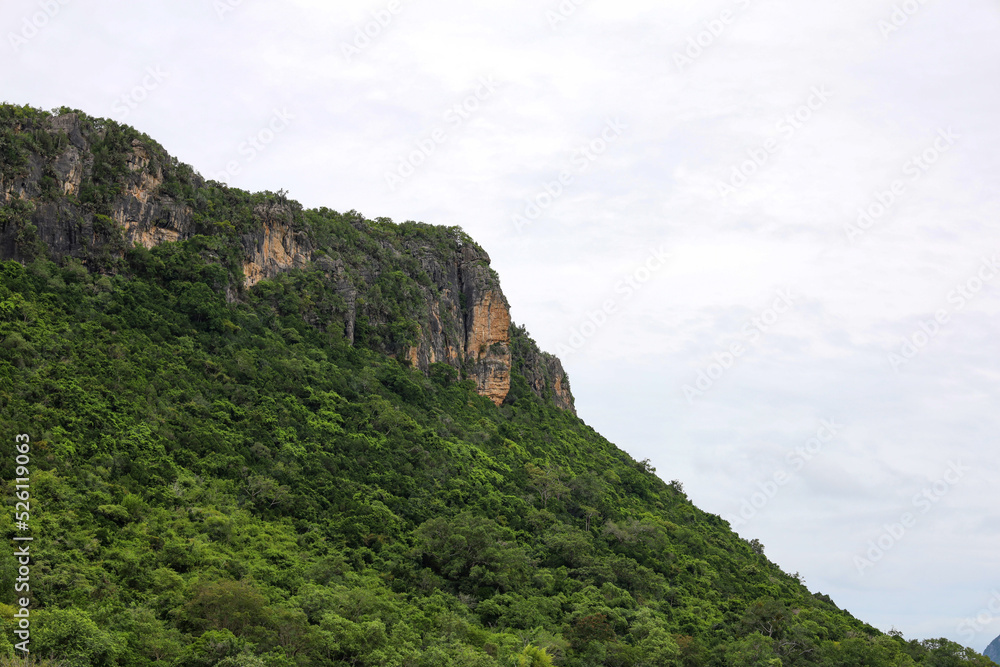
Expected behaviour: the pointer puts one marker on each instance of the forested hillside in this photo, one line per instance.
(246, 457)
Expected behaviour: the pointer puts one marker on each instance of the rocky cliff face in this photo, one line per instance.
(487, 328)
(543, 372)
(141, 211)
(274, 248)
(463, 318)
(74, 186)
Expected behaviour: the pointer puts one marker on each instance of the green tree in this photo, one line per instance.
(233, 606)
(73, 638)
(755, 650)
(533, 656)
(473, 548)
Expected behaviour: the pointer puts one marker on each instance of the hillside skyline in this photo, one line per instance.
(268, 466)
(533, 97)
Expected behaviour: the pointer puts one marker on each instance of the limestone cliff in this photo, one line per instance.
(542, 371)
(462, 317)
(72, 186)
(274, 248)
(487, 329)
(90, 176)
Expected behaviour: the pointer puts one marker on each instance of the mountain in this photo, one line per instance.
(86, 190)
(993, 651)
(261, 435)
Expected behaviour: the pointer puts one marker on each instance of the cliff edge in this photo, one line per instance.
(77, 188)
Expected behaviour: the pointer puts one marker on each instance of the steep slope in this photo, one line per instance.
(82, 188)
(993, 651)
(314, 465)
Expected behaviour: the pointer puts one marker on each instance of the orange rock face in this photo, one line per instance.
(490, 324)
(488, 343)
(143, 193)
(462, 320)
(277, 251)
(493, 378)
(563, 398)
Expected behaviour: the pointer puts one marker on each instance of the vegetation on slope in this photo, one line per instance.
(228, 482)
(221, 481)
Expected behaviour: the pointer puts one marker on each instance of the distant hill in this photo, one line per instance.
(993, 651)
(263, 435)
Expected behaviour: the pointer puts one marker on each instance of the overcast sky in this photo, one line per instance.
(672, 194)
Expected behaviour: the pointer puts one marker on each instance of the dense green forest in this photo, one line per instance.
(221, 476)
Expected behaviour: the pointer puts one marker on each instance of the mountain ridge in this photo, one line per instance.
(95, 188)
(232, 468)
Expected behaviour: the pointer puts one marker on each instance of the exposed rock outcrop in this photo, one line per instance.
(274, 247)
(91, 189)
(141, 210)
(466, 318)
(543, 372)
(147, 217)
